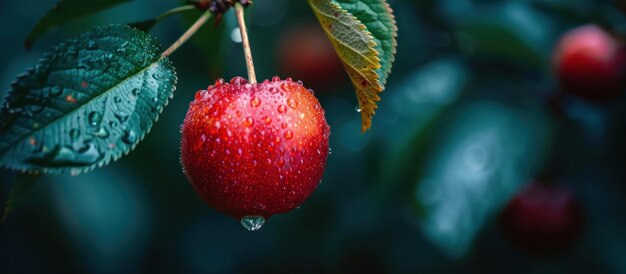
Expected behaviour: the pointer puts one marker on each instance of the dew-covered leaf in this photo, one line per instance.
(88, 102)
(67, 10)
(378, 18)
(364, 38)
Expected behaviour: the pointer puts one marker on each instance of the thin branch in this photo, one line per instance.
(190, 32)
(245, 42)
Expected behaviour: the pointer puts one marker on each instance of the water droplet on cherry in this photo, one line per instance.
(252, 222)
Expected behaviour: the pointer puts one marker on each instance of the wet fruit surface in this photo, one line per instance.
(255, 150)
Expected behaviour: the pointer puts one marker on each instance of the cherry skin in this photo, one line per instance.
(306, 53)
(255, 150)
(543, 219)
(590, 63)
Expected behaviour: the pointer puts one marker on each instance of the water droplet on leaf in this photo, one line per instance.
(121, 116)
(130, 137)
(101, 132)
(95, 118)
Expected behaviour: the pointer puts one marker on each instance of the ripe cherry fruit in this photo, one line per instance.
(543, 219)
(306, 53)
(590, 63)
(254, 150)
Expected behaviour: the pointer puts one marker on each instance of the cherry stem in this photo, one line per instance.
(246, 43)
(190, 32)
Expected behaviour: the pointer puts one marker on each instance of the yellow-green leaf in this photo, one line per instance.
(350, 25)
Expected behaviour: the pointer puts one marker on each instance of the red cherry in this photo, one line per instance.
(306, 53)
(254, 150)
(543, 219)
(590, 63)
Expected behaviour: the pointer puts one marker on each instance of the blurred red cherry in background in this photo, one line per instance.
(543, 219)
(306, 53)
(590, 63)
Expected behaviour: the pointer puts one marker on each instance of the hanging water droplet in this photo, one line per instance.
(358, 109)
(252, 222)
(66, 155)
(95, 118)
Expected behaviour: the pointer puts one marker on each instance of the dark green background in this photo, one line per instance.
(465, 121)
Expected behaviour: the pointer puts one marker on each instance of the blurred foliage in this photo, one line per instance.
(65, 11)
(469, 116)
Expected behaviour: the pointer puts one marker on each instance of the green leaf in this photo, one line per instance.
(511, 31)
(67, 10)
(365, 42)
(484, 152)
(88, 102)
(378, 18)
(23, 184)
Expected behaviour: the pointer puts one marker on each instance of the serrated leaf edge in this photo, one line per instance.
(81, 170)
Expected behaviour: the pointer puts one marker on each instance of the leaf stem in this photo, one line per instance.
(190, 32)
(174, 11)
(246, 43)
